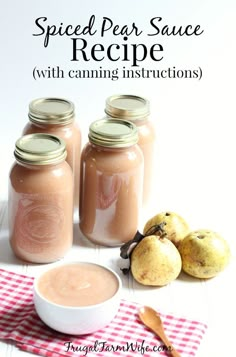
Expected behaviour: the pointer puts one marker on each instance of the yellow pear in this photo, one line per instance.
(204, 253)
(176, 228)
(155, 261)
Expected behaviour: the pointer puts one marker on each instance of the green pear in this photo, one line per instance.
(204, 253)
(155, 261)
(176, 228)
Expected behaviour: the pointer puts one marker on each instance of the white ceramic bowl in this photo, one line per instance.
(77, 320)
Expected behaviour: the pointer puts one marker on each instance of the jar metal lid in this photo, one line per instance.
(51, 111)
(40, 149)
(113, 133)
(130, 107)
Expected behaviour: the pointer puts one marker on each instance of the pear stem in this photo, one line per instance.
(156, 228)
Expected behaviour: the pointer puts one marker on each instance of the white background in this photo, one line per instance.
(195, 161)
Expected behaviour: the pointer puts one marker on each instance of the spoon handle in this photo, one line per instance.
(167, 343)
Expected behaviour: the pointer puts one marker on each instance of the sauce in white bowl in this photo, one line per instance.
(77, 298)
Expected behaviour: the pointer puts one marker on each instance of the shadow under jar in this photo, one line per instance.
(40, 199)
(136, 109)
(111, 183)
(56, 116)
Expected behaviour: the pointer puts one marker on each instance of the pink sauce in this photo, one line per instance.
(40, 202)
(111, 183)
(136, 110)
(79, 284)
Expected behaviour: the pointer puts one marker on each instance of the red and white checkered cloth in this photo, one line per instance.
(125, 336)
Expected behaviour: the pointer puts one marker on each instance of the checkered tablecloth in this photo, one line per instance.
(125, 336)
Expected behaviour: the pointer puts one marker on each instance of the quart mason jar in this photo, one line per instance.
(111, 183)
(56, 116)
(136, 109)
(40, 199)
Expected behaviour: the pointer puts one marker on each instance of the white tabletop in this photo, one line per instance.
(211, 301)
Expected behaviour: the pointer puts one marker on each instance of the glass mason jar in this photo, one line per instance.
(56, 116)
(111, 183)
(136, 109)
(40, 199)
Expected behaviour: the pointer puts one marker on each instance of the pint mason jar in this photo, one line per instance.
(40, 199)
(137, 109)
(56, 116)
(111, 183)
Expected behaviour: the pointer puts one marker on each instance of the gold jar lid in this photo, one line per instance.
(130, 107)
(40, 149)
(113, 133)
(51, 111)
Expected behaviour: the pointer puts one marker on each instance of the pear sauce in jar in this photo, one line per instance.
(111, 182)
(40, 199)
(137, 110)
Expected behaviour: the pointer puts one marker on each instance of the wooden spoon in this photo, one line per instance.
(151, 319)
